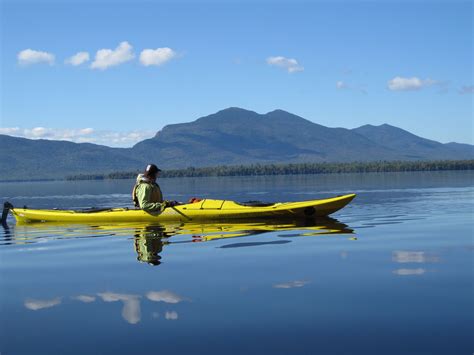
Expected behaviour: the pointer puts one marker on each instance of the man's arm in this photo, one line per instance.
(144, 196)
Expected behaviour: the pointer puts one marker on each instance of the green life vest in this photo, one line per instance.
(156, 195)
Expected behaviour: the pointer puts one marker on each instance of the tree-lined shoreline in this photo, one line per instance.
(293, 169)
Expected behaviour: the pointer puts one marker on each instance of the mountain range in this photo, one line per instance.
(232, 136)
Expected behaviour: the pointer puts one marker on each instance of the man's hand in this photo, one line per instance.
(167, 203)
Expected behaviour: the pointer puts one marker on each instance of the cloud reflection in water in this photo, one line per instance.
(131, 305)
(164, 296)
(84, 298)
(171, 315)
(131, 310)
(402, 256)
(409, 272)
(35, 305)
(292, 284)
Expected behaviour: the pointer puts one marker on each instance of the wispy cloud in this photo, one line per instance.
(81, 135)
(409, 84)
(467, 89)
(30, 56)
(78, 58)
(291, 284)
(290, 64)
(342, 85)
(35, 305)
(157, 56)
(105, 58)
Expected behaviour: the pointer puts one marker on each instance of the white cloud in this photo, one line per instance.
(39, 132)
(409, 84)
(78, 59)
(35, 305)
(10, 130)
(30, 56)
(409, 272)
(105, 58)
(157, 56)
(164, 296)
(86, 131)
(290, 64)
(81, 135)
(291, 284)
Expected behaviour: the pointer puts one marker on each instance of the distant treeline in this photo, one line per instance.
(294, 169)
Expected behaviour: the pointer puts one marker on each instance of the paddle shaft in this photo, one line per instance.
(181, 213)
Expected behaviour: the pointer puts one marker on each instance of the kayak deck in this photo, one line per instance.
(206, 209)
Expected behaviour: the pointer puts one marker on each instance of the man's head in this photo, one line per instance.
(151, 171)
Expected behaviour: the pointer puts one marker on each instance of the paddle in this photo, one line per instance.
(181, 213)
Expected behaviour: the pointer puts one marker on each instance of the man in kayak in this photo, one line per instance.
(147, 194)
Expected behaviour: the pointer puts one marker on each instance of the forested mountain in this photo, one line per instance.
(22, 158)
(413, 147)
(228, 137)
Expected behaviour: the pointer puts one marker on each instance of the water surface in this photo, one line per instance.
(390, 273)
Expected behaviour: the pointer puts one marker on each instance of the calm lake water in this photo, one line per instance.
(392, 273)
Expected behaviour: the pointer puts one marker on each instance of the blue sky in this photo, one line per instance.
(340, 64)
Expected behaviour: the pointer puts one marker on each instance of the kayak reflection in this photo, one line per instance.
(150, 239)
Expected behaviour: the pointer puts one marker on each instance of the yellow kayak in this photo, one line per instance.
(207, 209)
